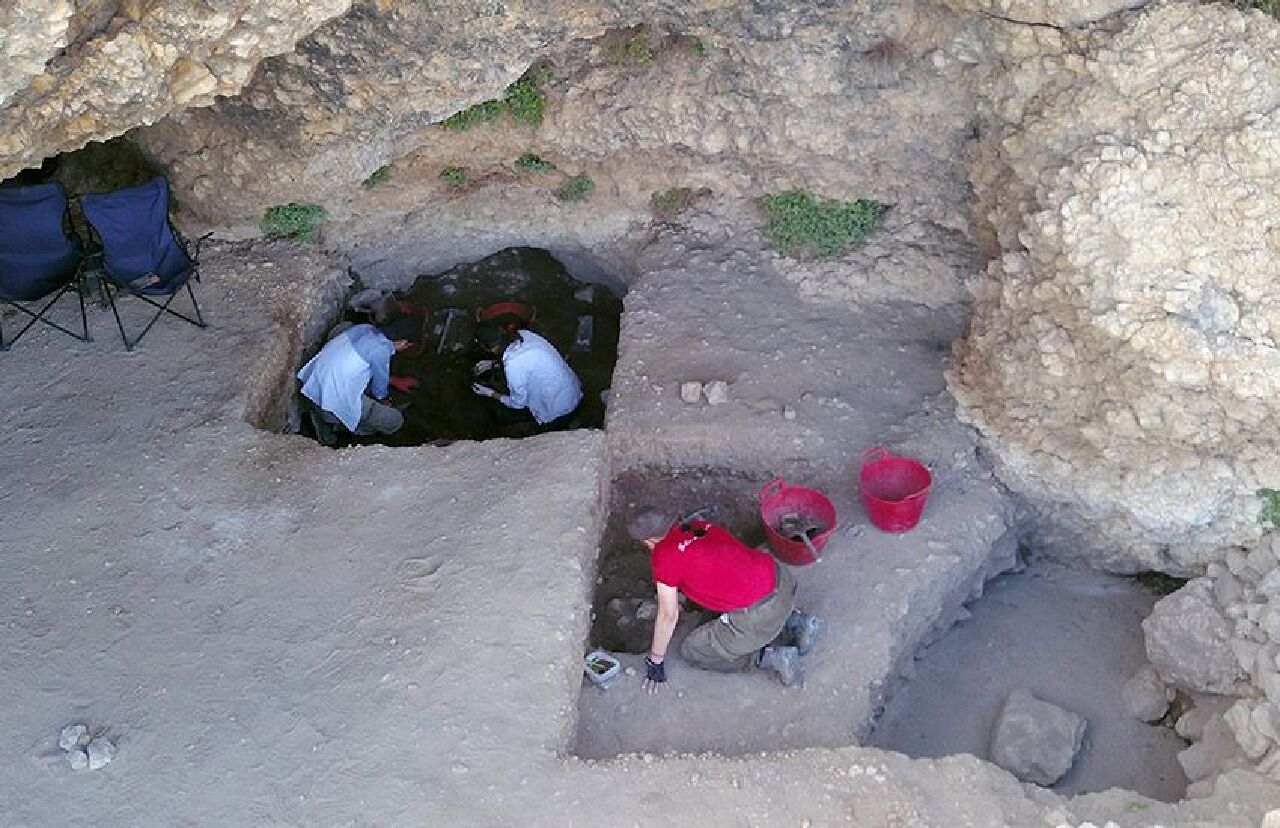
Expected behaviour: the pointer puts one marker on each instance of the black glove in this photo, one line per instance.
(655, 672)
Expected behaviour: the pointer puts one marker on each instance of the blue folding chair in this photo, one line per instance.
(38, 256)
(141, 252)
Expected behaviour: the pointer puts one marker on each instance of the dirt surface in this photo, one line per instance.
(280, 634)
(1072, 637)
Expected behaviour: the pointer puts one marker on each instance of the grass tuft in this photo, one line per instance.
(292, 221)
(1271, 7)
(532, 163)
(456, 176)
(524, 100)
(633, 47)
(1270, 514)
(799, 225)
(378, 176)
(667, 204)
(576, 188)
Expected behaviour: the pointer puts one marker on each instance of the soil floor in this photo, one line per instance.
(1070, 636)
(280, 634)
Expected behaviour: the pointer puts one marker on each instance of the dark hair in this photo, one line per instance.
(495, 335)
(401, 327)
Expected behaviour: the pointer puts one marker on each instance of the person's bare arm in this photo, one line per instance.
(664, 626)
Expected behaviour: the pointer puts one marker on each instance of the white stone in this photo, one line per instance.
(1146, 697)
(717, 392)
(101, 752)
(788, 412)
(1034, 740)
(73, 736)
(1188, 639)
(690, 392)
(78, 758)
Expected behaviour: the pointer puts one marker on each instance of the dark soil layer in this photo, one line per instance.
(624, 561)
(442, 407)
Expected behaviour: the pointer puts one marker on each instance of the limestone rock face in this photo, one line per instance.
(1123, 361)
(1039, 13)
(1034, 740)
(737, 97)
(70, 74)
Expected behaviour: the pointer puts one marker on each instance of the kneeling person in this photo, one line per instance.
(540, 383)
(754, 594)
(356, 360)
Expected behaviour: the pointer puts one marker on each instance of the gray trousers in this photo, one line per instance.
(729, 643)
(375, 418)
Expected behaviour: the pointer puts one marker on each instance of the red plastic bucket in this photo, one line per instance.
(778, 501)
(893, 489)
(526, 313)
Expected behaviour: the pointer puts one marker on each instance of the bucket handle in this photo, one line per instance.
(875, 454)
(771, 488)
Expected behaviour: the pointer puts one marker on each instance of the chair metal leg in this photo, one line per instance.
(200, 323)
(84, 318)
(38, 316)
(111, 297)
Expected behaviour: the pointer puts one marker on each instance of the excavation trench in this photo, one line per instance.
(432, 381)
(1070, 636)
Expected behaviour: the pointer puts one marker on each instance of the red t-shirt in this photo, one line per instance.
(716, 570)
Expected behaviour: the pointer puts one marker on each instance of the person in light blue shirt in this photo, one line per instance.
(541, 385)
(356, 361)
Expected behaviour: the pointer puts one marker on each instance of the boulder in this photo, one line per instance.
(1188, 641)
(1034, 740)
(691, 392)
(1146, 696)
(717, 392)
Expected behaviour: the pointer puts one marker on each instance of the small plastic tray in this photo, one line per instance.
(594, 666)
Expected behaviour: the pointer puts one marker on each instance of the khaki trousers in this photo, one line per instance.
(729, 643)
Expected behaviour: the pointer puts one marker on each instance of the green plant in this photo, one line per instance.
(1271, 7)
(633, 47)
(699, 48)
(456, 176)
(1270, 514)
(576, 188)
(531, 163)
(292, 221)
(378, 176)
(798, 224)
(668, 203)
(524, 99)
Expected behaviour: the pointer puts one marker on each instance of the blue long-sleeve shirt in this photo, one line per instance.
(336, 378)
(377, 350)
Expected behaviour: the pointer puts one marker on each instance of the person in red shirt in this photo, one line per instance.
(754, 595)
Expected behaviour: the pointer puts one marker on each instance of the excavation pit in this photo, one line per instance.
(432, 380)
(1070, 636)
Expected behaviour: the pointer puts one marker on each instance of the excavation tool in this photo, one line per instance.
(704, 513)
(449, 315)
(797, 521)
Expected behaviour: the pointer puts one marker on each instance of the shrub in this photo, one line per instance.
(1270, 514)
(524, 99)
(1271, 7)
(633, 47)
(532, 163)
(699, 48)
(456, 176)
(292, 221)
(668, 203)
(378, 176)
(799, 225)
(481, 113)
(576, 188)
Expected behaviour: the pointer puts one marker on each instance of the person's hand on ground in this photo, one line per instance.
(655, 674)
(483, 390)
(483, 367)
